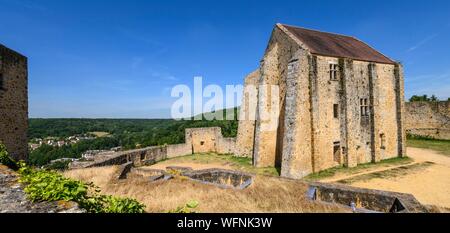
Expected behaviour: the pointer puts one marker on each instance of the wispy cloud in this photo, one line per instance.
(31, 5)
(430, 84)
(423, 42)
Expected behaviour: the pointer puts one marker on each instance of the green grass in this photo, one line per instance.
(238, 163)
(441, 146)
(395, 172)
(354, 170)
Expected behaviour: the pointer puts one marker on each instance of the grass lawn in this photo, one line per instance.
(442, 146)
(238, 163)
(354, 170)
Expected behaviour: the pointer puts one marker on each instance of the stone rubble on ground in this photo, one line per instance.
(13, 199)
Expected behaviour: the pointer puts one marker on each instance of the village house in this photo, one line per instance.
(341, 102)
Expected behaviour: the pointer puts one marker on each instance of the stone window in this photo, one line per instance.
(337, 152)
(336, 110)
(383, 141)
(333, 72)
(364, 103)
(1, 82)
(202, 143)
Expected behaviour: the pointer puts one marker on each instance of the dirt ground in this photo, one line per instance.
(430, 184)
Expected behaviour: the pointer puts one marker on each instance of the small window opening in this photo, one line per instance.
(202, 143)
(1, 82)
(364, 103)
(383, 141)
(337, 152)
(336, 110)
(333, 72)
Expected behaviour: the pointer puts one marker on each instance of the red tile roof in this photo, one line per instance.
(334, 45)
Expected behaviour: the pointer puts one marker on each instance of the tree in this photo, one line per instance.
(417, 98)
(434, 98)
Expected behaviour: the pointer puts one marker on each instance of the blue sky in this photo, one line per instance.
(120, 59)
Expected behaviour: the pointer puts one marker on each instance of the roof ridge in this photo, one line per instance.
(360, 50)
(315, 30)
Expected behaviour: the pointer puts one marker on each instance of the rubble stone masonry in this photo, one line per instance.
(430, 119)
(353, 117)
(14, 102)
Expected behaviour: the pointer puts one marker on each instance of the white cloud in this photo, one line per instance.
(423, 42)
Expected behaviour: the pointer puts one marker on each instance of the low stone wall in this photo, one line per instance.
(178, 150)
(203, 139)
(430, 119)
(138, 157)
(226, 146)
(374, 200)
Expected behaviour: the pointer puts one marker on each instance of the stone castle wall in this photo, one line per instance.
(14, 102)
(430, 119)
(309, 136)
(247, 116)
(273, 71)
(198, 140)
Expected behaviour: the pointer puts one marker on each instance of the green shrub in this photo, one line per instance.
(6, 160)
(60, 165)
(43, 185)
(188, 208)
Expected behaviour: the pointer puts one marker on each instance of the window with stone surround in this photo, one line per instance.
(383, 141)
(364, 103)
(333, 72)
(337, 152)
(336, 110)
(1, 82)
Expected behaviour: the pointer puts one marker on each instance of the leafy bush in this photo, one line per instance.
(60, 165)
(5, 159)
(188, 208)
(42, 185)
(50, 186)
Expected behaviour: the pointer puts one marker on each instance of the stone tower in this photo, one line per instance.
(338, 102)
(14, 102)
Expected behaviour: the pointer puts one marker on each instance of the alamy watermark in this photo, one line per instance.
(259, 102)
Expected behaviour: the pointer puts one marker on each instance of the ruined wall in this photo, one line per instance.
(203, 140)
(269, 140)
(14, 102)
(138, 156)
(209, 140)
(198, 140)
(226, 145)
(177, 150)
(431, 119)
(247, 116)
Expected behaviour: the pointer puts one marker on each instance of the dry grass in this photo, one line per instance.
(266, 194)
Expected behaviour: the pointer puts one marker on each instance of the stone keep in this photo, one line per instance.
(14, 102)
(340, 103)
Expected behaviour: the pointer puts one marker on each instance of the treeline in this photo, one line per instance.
(128, 133)
(425, 98)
